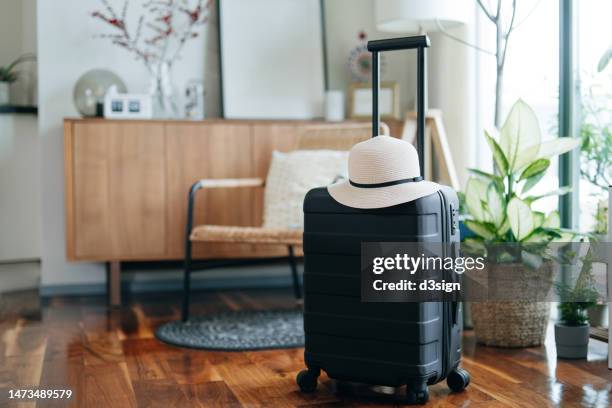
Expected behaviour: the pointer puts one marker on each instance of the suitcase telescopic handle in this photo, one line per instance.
(420, 42)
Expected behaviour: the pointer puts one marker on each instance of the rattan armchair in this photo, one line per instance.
(330, 137)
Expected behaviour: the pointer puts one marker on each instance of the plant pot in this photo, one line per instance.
(520, 323)
(5, 94)
(598, 315)
(572, 341)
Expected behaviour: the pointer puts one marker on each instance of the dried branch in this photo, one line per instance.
(511, 26)
(486, 11)
(503, 57)
(159, 17)
(517, 25)
(460, 40)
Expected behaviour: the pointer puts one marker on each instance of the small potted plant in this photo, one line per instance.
(499, 214)
(8, 75)
(572, 330)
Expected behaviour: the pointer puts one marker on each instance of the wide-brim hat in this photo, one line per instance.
(383, 171)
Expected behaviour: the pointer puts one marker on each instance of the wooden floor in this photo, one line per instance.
(111, 359)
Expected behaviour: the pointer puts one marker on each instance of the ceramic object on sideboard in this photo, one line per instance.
(334, 106)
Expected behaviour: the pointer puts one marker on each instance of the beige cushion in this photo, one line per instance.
(253, 235)
(291, 176)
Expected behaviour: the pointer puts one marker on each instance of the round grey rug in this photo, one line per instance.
(237, 331)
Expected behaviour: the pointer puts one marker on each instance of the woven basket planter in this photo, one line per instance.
(520, 323)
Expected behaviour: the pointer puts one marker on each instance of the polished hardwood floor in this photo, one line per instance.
(111, 359)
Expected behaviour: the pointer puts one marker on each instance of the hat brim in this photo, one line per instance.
(369, 198)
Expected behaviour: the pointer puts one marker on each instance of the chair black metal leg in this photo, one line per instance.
(296, 279)
(186, 282)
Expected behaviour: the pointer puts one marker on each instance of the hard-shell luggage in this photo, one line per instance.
(389, 344)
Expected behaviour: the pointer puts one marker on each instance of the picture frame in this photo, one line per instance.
(360, 100)
(288, 65)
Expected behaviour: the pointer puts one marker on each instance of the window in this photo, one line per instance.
(593, 117)
(531, 73)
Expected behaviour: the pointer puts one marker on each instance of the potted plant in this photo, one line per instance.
(499, 212)
(572, 330)
(8, 75)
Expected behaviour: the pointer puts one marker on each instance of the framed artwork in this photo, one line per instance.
(360, 100)
(271, 59)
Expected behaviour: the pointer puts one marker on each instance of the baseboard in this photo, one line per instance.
(19, 275)
(169, 285)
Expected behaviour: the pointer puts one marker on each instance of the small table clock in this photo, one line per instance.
(127, 106)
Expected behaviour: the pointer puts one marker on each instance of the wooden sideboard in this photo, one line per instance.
(127, 182)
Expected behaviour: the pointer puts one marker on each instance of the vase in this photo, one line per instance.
(520, 323)
(163, 92)
(4, 93)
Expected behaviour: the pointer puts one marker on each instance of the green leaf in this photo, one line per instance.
(481, 229)
(537, 237)
(505, 257)
(553, 220)
(483, 174)
(498, 155)
(473, 245)
(538, 219)
(566, 236)
(535, 168)
(519, 134)
(475, 195)
(552, 148)
(495, 205)
(605, 59)
(488, 176)
(520, 218)
(530, 260)
(505, 227)
(532, 181)
(561, 191)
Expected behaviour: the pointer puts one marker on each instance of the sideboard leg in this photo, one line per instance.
(113, 283)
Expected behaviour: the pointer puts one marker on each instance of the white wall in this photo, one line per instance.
(10, 28)
(344, 20)
(67, 49)
(451, 71)
(19, 143)
(19, 188)
(453, 89)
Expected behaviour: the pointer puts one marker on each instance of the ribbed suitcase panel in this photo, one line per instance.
(373, 350)
(391, 312)
(411, 333)
(378, 343)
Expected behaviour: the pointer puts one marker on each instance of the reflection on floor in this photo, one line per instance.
(111, 359)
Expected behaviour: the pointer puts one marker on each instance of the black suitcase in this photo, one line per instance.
(388, 344)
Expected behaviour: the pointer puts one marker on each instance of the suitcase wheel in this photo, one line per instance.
(458, 379)
(307, 380)
(418, 395)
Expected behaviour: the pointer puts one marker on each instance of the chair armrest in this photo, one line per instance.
(212, 183)
(228, 183)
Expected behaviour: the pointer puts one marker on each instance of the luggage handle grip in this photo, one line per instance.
(420, 42)
(400, 43)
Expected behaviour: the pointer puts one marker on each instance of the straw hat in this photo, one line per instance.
(383, 171)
